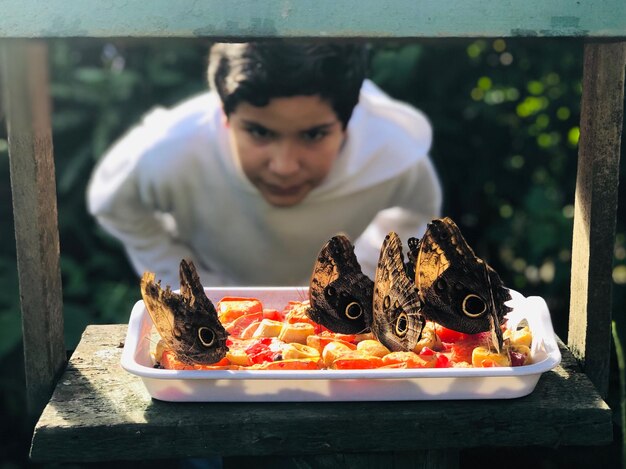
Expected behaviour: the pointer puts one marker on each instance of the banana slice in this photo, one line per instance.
(482, 357)
(296, 350)
(296, 332)
(373, 347)
(268, 328)
(332, 351)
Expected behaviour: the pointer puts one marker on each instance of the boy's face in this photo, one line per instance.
(286, 148)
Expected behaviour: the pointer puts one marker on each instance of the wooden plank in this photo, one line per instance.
(602, 117)
(33, 189)
(304, 18)
(101, 412)
(426, 459)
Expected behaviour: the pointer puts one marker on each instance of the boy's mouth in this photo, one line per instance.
(283, 191)
(284, 196)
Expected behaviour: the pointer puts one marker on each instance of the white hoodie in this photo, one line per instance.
(171, 189)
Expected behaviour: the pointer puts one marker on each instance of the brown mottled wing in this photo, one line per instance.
(458, 290)
(398, 321)
(188, 321)
(339, 293)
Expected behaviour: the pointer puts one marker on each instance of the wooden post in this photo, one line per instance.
(602, 114)
(27, 108)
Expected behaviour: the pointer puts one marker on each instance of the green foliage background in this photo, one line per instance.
(505, 114)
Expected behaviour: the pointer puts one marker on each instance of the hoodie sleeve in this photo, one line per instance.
(118, 199)
(418, 200)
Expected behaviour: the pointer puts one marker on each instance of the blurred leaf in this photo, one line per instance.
(73, 170)
(10, 331)
(117, 300)
(90, 75)
(75, 322)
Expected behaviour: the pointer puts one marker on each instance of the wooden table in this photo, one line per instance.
(99, 411)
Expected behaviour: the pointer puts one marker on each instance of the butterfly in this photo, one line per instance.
(457, 289)
(340, 294)
(397, 317)
(442, 280)
(188, 321)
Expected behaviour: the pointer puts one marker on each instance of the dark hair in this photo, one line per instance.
(255, 72)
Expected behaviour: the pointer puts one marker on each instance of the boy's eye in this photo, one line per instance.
(259, 132)
(314, 135)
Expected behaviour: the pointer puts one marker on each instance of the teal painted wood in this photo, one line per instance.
(308, 18)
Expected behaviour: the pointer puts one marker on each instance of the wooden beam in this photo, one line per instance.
(602, 117)
(27, 108)
(243, 19)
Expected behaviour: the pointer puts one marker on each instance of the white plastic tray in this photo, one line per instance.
(340, 385)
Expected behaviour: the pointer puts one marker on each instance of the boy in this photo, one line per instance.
(249, 180)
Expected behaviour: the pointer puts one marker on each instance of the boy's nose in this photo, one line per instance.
(285, 161)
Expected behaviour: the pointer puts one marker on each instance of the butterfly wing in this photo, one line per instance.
(398, 322)
(339, 293)
(188, 321)
(458, 289)
(162, 316)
